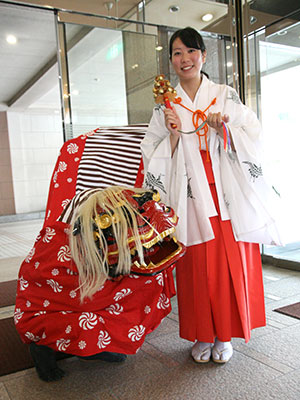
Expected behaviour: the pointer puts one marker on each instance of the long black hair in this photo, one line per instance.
(189, 37)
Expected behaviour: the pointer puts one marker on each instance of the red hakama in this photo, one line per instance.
(219, 284)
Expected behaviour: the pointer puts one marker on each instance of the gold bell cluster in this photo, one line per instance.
(162, 89)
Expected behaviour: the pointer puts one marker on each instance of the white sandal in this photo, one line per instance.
(201, 355)
(222, 356)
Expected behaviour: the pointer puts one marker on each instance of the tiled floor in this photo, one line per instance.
(268, 367)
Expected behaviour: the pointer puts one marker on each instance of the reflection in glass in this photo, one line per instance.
(97, 78)
(280, 86)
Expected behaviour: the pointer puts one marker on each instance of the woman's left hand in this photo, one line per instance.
(214, 120)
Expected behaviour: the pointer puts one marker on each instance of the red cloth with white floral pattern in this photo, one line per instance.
(48, 309)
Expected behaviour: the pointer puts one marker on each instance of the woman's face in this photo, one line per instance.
(187, 62)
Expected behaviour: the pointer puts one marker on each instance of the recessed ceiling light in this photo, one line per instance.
(174, 9)
(228, 47)
(281, 33)
(11, 39)
(207, 17)
(229, 64)
(158, 48)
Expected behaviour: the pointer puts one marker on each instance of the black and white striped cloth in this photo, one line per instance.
(111, 157)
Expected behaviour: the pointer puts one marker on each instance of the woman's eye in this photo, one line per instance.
(191, 50)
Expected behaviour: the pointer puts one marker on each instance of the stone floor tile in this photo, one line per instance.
(262, 358)
(277, 272)
(7, 312)
(283, 346)
(9, 268)
(284, 287)
(3, 392)
(201, 381)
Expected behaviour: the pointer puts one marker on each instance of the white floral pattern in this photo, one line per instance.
(57, 288)
(63, 344)
(39, 313)
(23, 283)
(132, 276)
(55, 272)
(147, 309)
(160, 279)
(30, 255)
(121, 294)
(65, 202)
(62, 166)
(88, 320)
(103, 339)
(72, 148)
(115, 309)
(64, 254)
(32, 337)
(18, 314)
(46, 303)
(55, 177)
(136, 333)
(70, 272)
(82, 344)
(49, 235)
(163, 302)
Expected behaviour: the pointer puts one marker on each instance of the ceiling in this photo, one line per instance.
(32, 59)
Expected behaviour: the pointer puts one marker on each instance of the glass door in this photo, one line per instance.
(277, 68)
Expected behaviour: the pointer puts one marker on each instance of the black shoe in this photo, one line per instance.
(106, 356)
(45, 363)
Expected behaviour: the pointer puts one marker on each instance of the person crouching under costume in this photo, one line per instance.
(96, 281)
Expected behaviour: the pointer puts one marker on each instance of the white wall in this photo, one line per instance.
(35, 141)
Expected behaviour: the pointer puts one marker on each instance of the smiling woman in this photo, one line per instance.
(214, 180)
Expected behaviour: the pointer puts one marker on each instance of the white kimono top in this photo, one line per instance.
(244, 195)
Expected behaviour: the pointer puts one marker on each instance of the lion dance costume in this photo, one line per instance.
(96, 279)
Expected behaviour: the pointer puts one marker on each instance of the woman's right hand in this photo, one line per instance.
(172, 119)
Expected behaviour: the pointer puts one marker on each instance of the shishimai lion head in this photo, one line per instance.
(117, 231)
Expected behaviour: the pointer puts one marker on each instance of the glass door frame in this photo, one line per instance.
(251, 48)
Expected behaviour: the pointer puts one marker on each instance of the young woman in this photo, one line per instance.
(214, 180)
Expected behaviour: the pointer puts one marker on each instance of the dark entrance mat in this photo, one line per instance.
(14, 354)
(8, 293)
(293, 310)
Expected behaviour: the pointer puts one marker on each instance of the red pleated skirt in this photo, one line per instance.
(219, 284)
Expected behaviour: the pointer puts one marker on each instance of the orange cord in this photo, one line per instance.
(197, 115)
